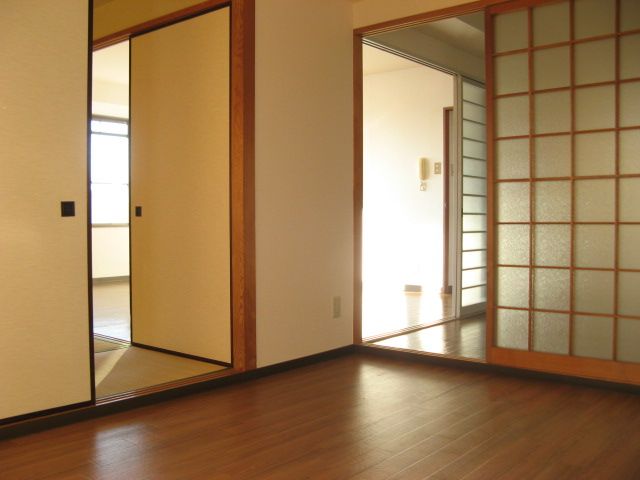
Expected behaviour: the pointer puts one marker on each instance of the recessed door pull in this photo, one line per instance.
(138, 211)
(67, 208)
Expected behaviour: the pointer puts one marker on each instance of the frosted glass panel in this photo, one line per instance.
(474, 241)
(595, 107)
(595, 246)
(593, 291)
(474, 131)
(512, 329)
(475, 149)
(551, 23)
(474, 186)
(628, 340)
(594, 17)
(473, 278)
(553, 112)
(477, 168)
(513, 287)
(513, 244)
(473, 223)
(511, 73)
(629, 151)
(512, 116)
(595, 61)
(473, 93)
(512, 158)
(473, 296)
(551, 68)
(629, 55)
(593, 337)
(552, 245)
(628, 298)
(552, 201)
(474, 204)
(553, 156)
(629, 250)
(595, 200)
(513, 202)
(474, 259)
(630, 104)
(474, 112)
(551, 332)
(629, 15)
(595, 153)
(511, 31)
(551, 289)
(630, 200)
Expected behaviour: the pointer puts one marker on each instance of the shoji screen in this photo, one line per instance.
(473, 291)
(566, 186)
(180, 244)
(44, 314)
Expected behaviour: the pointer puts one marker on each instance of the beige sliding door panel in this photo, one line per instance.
(566, 177)
(180, 245)
(44, 339)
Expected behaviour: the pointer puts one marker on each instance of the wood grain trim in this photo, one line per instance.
(243, 251)
(491, 199)
(446, 179)
(440, 14)
(163, 20)
(358, 119)
(607, 370)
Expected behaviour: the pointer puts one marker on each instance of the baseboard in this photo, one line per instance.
(107, 280)
(86, 412)
(491, 368)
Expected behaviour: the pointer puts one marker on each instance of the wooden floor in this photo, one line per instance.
(385, 311)
(355, 417)
(457, 338)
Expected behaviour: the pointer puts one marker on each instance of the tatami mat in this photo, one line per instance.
(126, 369)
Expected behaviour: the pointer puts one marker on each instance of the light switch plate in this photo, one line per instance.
(437, 168)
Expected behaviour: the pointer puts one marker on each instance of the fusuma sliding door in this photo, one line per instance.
(180, 222)
(44, 338)
(565, 140)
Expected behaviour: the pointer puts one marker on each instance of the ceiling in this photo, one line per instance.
(465, 32)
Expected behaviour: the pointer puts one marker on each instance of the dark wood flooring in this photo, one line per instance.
(355, 417)
(456, 339)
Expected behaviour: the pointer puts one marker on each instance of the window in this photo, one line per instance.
(109, 171)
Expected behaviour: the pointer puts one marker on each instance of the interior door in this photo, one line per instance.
(44, 345)
(180, 222)
(473, 190)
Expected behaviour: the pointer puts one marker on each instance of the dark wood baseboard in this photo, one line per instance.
(109, 280)
(180, 354)
(42, 414)
(488, 367)
(33, 423)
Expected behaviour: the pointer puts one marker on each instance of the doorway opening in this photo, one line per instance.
(424, 237)
(150, 325)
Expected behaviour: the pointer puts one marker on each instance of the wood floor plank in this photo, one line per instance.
(359, 417)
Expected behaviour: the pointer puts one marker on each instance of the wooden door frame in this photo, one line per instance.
(242, 170)
(358, 36)
(447, 113)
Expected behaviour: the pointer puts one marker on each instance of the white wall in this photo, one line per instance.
(110, 252)
(403, 121)
(304, 161)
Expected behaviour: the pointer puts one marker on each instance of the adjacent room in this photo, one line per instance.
(424, 188)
